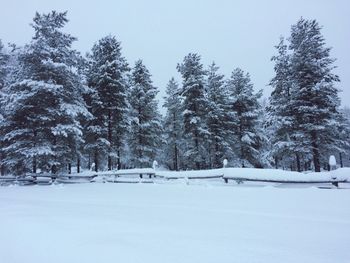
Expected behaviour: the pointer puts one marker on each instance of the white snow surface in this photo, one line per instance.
(278, 175)
(262, 174)
(173, 222)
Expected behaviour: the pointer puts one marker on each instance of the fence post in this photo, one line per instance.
(223, 169)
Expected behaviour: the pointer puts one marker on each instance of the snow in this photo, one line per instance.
(278, 175)
(173, 223)
(332, 160)
(261, 174)
(190, 174)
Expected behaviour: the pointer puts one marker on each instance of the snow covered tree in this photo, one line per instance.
(287, 140)
(173, 126)
(219, 117)
(246, 108)
(45, 99)
(195, 106)
(314, 97)
(107, 76)
(345, 138)
(4, 57)
(145, 128)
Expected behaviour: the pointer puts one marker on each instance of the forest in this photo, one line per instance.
(61, 110)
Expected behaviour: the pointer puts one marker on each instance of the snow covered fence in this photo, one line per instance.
(148, 175)
(202, 174)
(334, 177)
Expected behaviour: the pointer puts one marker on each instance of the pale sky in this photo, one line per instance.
(231, 33)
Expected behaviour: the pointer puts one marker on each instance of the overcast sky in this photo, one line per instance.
(231, 33)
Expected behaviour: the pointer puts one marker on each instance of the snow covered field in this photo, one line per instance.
(173, 223)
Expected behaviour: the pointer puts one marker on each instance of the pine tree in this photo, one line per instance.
(219, 117)
(4, 58)
(107, 76)
(173, 126)
(287, 139)
(195, 108)
(45, 100)
(246, 109)
(314, 97)
(145, 127)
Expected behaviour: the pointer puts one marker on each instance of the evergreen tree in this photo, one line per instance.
(219, 117)
(314, 97)
(107, 76)
(45, 100)
(195, 106)
(4, 57)
(145, 128)
(173, 126)
(287, 140)
(246, 108)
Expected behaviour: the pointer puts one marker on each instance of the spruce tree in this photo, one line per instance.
(4, 58)
(107, 76)
(314, 97)
(195, 107)
(173, 126)
(219, 117)
(287, 140)
(45, 100)
(246, 109)
(145, 122)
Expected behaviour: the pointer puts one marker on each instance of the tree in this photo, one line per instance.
(173, 126)
(107, 76)
(219, 117)
(195, 106)
(4, 59)
(287, 140)
(145, 127)
(314, 97)
(45, 100)
(246, 109)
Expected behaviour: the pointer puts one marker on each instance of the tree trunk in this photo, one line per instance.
(198, 166)
(315, 152)
(96, 161)
(110, 139)
(78, 164)
(118, 160)
(69, 168)
(216, 157)
(175, 146)
(89, 162)
(34, 165)
(109, 163)
(54, 169)
(175, 158)
(34, 157)
(341, 160)
(298, 162)
(276, 162)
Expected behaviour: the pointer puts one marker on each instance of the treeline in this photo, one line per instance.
(60, 109)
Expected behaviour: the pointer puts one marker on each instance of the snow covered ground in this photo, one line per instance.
(173, 222)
